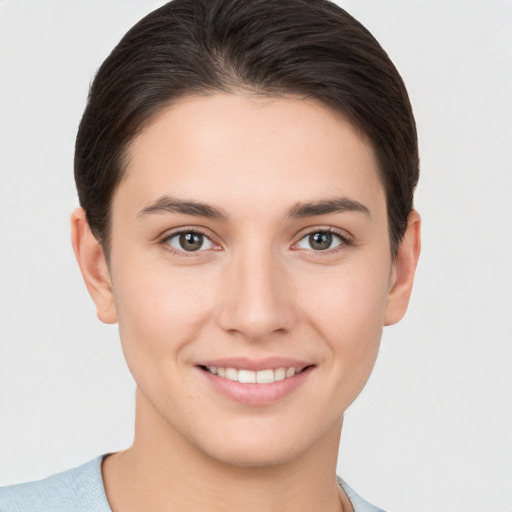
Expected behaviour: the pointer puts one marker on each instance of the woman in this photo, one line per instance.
(246, 174)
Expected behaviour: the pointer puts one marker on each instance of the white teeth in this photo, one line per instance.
(280, 373)
(246, 376)
(252, 377)
(231, 374)
(265, 377)
(290, 372)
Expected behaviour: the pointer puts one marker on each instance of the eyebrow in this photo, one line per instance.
(168, 204)
(324, 207)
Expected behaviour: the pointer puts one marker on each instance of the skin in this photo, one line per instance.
(258, 289)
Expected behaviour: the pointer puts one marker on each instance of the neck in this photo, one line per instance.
(164, 471)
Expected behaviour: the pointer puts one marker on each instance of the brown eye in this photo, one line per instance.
(189, 241)
(320, 241)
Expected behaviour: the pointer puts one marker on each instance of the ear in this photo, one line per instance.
(403, 271)
(93, 266)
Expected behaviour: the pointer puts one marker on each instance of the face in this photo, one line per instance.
(251, 273)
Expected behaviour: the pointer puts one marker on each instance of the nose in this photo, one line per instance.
(257, 298)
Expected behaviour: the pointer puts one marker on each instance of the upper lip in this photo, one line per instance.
(267, 363)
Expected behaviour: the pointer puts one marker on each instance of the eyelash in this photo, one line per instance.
(344, 241)
(165, 241)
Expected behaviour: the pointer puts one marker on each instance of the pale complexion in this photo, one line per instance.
(249, 179)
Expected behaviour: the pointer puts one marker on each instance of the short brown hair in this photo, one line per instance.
(310, 48)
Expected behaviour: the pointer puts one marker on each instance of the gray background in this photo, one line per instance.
(432, 431)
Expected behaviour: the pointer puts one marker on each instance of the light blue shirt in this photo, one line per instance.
(81, 490)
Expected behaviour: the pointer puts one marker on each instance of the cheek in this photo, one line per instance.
(348, 312)
(160, 312)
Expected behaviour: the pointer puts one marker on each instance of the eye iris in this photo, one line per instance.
(191, 241)
(320, 241)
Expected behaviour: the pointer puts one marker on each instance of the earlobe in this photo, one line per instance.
(93, 265)
(404, 269)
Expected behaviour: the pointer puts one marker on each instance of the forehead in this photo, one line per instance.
(223, 148)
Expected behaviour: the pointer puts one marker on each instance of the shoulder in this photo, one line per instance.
(79, 489)
(358, 503)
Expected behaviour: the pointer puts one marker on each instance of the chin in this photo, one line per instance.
(253, 455)
(260, 445)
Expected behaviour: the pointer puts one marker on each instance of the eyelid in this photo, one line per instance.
(164, 238)
(346, 238)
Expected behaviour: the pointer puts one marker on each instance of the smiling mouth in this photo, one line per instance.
(267, 376)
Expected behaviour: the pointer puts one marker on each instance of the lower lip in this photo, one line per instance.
(257, 394)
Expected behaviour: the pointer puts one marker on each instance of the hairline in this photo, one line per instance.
(249, 92)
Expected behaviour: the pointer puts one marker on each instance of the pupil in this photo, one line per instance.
(191, 241)
(320, 241)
